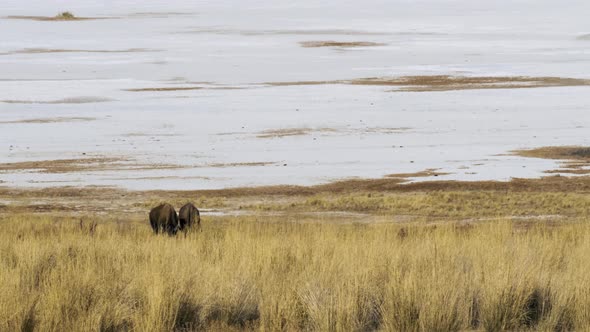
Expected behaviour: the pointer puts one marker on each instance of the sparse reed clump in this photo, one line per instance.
(68, 275)
(65, 16)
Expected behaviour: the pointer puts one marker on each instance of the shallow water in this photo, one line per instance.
(230, 49)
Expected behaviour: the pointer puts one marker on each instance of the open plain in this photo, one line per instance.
(359, 166)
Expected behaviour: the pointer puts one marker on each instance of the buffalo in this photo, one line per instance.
(189, 217)
(163, 218)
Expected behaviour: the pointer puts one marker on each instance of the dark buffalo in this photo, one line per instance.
(163, 218)
(189, 217)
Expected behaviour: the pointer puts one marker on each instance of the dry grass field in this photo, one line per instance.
(360, 255)
(354, 255)
(57, 274)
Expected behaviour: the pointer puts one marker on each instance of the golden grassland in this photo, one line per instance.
(355, 255)
(262, 273)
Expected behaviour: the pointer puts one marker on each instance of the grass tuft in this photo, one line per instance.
(65, 16)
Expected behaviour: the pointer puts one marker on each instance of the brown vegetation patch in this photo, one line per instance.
(576, 158)
(550, 184)
(51, 120)
(569, 171)
(331, 43)
(60, 165)
(388, 199)
(545, 184)
(557, 152)
(81, 165)
(449, 83)
(385, 130)
(202, 86)
(426, 173)
(285, 132)
(277, 133)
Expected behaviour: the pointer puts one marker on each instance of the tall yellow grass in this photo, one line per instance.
(60, 275)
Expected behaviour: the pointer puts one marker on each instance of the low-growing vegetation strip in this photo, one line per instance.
(558, 198)
(429, 205)
(60, 274)
(579, 153)
(575, 159)
(449, 83)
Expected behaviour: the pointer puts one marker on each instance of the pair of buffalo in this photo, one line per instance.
(163, 218)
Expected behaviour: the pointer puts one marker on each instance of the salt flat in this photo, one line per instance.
(184, 94)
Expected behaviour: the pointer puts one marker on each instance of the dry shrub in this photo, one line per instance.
(65, 16)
